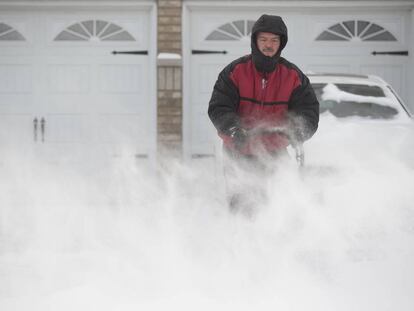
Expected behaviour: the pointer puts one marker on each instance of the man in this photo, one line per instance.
(263, 90)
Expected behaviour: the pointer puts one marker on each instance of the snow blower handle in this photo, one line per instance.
(288, 133)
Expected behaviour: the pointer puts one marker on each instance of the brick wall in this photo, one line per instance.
(169, 26)
(169, 107)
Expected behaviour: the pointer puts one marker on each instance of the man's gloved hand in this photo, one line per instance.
(296, 130)
(298, 135)
(239, 137)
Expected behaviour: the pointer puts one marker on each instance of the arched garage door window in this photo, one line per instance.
(356, 30)
(8, 33)
(94, 30)
(232, 31)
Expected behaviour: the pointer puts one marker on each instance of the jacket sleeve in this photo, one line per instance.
(224, 102)
(304, 108)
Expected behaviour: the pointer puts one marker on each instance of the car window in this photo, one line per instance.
(347, 100)
(364, 90)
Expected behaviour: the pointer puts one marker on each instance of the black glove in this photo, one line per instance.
(296, 130)
(298, 135)
(239, 137)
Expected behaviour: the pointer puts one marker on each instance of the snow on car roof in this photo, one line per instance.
(337, 75)
(332, 92)
(345, 78)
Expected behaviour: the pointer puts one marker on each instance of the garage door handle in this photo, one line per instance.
(43, 128)
(35, 123)
(402, 53)
(207, 52)
(130, 52)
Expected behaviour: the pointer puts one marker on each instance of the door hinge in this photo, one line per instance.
(401, 53)
(130, 52)
(207, 52)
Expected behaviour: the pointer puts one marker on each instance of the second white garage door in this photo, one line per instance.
(321, 42)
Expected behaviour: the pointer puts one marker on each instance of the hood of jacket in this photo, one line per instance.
(273, 24)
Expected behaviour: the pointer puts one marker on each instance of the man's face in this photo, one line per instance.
(268, 43)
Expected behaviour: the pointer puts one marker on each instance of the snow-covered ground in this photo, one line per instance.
(126, 237)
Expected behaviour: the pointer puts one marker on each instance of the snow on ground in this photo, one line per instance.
(126, 237)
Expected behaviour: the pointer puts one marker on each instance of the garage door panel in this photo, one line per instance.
(121, 79)
(16, 103)
(69, 78)
(66, 128)
(208, 76)
(16, 130)
(127, 104)
(203, 131)
(206, 73)
(16, 78)
(16, 91)
(122, 128)
(121, 134)
(202, 138)
(70, 103)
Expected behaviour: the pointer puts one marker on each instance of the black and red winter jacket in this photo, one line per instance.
(261, 91)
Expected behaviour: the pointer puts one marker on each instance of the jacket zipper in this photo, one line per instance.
(264, 84)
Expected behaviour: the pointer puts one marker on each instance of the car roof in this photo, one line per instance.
(345, 78)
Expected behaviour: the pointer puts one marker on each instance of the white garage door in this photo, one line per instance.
(62, 91)
(321, 42)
